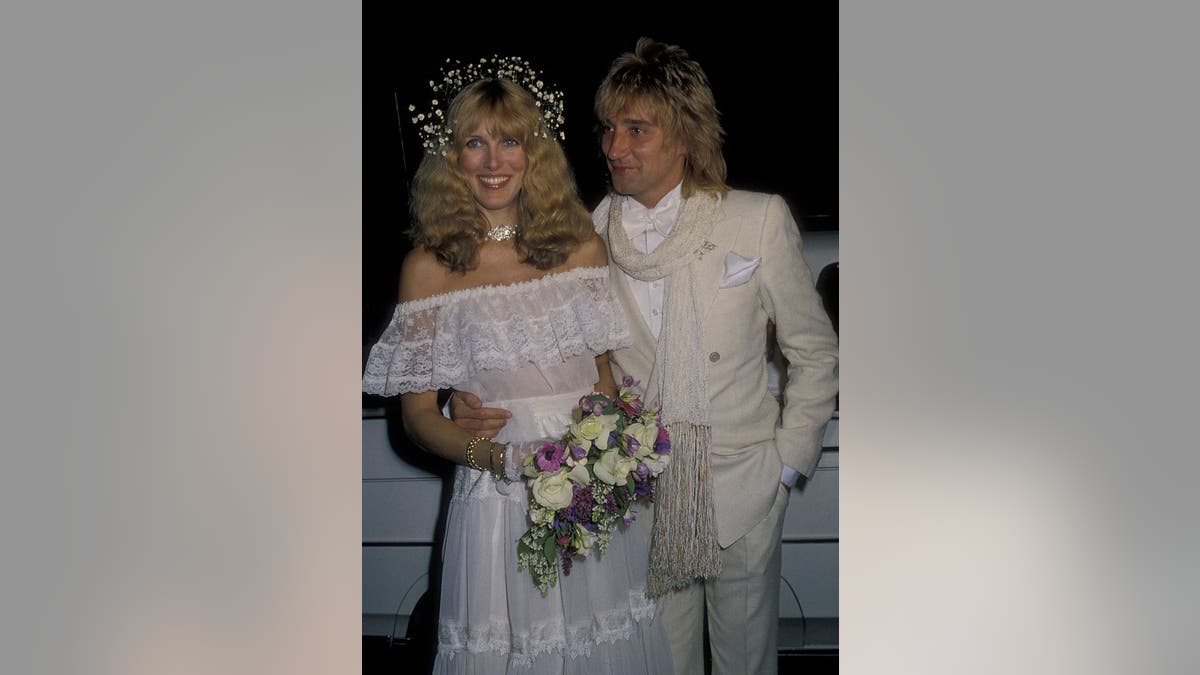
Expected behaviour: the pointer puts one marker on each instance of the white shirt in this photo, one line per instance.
(647, 228)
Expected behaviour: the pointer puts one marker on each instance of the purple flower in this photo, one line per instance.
(644, 489)
(628, 382)
(550, 457)
(587, 405)
(662, 445)
(577, 452)
(594, 404)
(581, 506)
(642, 471)
(630, 408)
(631, 445)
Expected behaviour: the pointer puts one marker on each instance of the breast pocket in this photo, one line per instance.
(739, 269)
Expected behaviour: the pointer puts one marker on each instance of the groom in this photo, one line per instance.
(700, 270)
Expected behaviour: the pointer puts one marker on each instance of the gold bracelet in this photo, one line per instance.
(499, 473)
(470, 450)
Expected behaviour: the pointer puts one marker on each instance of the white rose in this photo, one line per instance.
(595, 428)
(613, 467)
(585, 443)
(645, 434)
(580, 474)
(553, 490)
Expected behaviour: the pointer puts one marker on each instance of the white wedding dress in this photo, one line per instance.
(528, 347)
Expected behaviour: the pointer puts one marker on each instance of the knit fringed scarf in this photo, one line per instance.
(683, 545)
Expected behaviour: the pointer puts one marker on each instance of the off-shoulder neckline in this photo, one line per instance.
(449, 296)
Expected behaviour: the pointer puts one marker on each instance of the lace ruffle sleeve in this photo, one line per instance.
(441, 341)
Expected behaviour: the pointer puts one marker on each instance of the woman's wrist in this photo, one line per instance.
(497, 467)
(499, 459)
(471, 447)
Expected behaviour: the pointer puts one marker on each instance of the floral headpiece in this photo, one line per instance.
(431, 126)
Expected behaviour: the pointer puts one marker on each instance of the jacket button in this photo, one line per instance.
(714, 357)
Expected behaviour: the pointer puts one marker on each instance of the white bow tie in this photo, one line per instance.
(642, 228)
(644, 220)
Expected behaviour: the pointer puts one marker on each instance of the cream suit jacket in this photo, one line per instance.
(751, 439)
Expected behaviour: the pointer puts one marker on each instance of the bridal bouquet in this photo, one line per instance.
(582, 485)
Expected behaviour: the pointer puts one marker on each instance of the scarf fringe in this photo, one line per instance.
(683, 547)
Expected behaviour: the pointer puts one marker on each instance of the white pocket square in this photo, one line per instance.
(738, 270)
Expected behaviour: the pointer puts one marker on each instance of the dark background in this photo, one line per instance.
(775, 83)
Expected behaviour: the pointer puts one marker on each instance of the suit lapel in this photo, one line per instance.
(710, 264)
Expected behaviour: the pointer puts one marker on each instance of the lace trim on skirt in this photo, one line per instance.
(545, 637)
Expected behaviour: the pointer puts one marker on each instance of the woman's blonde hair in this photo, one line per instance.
(674, 90)
(552, 221)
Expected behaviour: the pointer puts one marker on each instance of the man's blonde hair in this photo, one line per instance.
(672, 88)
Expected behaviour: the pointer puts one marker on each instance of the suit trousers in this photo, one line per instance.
(742, 606)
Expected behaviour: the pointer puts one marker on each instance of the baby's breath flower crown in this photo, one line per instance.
(431, 125)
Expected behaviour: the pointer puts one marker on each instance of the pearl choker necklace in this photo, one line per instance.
(502, 233)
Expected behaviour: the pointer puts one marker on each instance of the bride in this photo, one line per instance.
(505, 294)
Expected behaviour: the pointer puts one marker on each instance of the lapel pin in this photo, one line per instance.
(704, 248)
